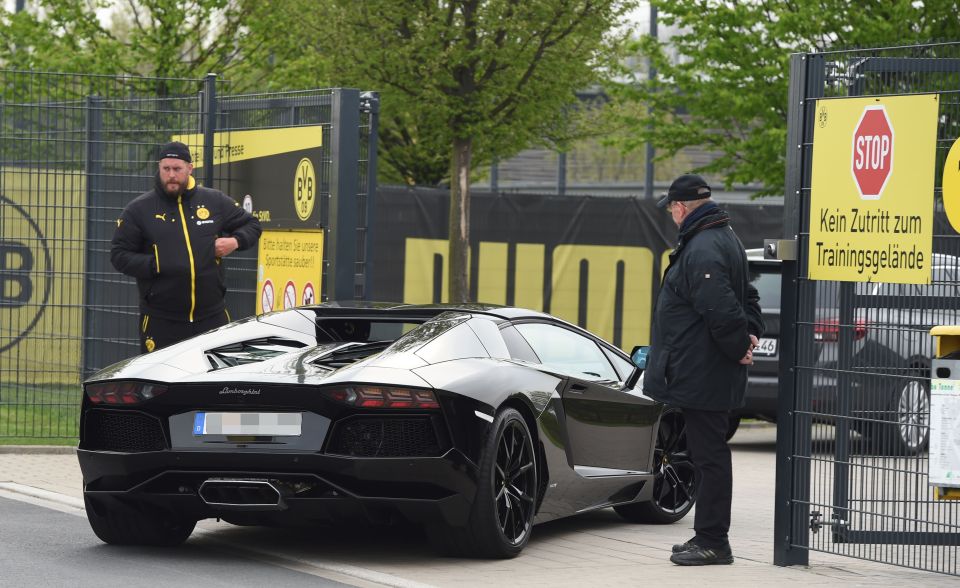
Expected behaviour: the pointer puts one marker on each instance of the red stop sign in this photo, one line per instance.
(872, 161)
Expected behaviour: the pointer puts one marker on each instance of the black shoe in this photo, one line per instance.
(703, 556)
(681, 547)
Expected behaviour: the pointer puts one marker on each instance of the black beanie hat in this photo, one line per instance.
(175, 150)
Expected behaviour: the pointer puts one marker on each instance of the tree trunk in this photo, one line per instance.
(458, 260)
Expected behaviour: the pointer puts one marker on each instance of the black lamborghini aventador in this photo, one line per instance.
(475, 421)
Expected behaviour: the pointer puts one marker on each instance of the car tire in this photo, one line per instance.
(127, 524)
(677, 480)
(908, 432)
(501, 518)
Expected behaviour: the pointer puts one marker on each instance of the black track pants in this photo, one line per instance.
(157, 333)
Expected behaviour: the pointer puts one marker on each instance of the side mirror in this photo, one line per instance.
(639, 356)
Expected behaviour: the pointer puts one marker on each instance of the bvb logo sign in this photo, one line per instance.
(25, 273)
(304, 189)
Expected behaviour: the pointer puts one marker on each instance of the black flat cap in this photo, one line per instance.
(175, 150)
(686, 187)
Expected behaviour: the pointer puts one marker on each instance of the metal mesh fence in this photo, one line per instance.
(266, 111)
(861, 411)
(74, 150)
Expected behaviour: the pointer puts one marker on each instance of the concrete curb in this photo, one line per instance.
(42, 494)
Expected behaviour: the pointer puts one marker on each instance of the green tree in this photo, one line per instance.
(722, 80)
(153, 38)
(461, 81)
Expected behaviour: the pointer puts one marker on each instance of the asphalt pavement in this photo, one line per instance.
(592, 549)
(43, 547)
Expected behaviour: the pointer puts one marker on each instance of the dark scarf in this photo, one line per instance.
(708, 216)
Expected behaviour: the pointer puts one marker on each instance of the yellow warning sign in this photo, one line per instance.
(289, 265)
(871, 194)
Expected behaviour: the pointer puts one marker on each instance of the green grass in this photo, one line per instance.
(39, 415)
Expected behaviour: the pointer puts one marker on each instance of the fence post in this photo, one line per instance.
(93, 169)
(371, 103)
(209, 126)
(790, 510)
(344, 183)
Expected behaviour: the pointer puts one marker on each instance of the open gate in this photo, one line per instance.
(854, 409)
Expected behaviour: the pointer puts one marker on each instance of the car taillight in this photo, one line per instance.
(384, 397)
(830, 330)
(123, 392)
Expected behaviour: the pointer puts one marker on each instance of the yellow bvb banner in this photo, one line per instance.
(871, 194)
(234, 146)
(278, 174)
(622, 272)
(42, 241)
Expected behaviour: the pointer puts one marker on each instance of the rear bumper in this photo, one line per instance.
(313, 487)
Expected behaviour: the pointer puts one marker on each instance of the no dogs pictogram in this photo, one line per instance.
(309, 295)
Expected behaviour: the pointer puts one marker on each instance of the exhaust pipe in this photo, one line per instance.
(241, 494)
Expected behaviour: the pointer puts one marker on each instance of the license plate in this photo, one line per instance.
(247, 423)
(766, 348)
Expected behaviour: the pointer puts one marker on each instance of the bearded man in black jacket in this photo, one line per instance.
(172, 239)
(705, 325)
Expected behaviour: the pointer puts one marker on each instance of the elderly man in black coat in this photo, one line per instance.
(706, 323)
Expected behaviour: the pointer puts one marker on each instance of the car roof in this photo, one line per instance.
(359, 309)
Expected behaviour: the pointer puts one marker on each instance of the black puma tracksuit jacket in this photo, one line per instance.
(167, 244)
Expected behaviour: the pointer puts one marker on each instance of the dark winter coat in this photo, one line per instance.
(167, 244)
(703, 317)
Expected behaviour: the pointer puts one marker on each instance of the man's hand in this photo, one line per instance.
(748, 358)
(224, 246)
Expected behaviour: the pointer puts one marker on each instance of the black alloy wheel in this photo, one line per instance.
(505, 504)
(677, 481)
(515, 482)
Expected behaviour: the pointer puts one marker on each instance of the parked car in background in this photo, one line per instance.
(886, 380)
(764, 379)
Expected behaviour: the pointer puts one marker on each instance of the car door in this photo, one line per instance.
(607, 426)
